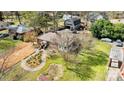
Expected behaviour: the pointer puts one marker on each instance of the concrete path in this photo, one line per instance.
(113, 74)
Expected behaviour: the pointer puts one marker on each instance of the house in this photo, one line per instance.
(122, 68)
(116, 57)
(115, 64)
(47, 39)
(67, 16)
(51, 38)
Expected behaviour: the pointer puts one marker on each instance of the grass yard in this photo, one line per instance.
(3, 31)
(7, 43)
(94, 66)
(17, 73)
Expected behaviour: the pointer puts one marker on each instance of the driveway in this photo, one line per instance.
(115, 54)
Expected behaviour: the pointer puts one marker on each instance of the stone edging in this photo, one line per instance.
(23, 63)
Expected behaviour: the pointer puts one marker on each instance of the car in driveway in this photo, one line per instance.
(119, 43)
(106, 40)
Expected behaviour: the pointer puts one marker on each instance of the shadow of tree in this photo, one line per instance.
(94, 58)
(83, 71)
(84, 68)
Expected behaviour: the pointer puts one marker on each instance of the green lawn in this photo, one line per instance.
(94, 63)
(7, 43)
(3, 31)
(94, 66)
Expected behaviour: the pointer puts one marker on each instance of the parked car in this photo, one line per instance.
(106, 40)
(119, 43)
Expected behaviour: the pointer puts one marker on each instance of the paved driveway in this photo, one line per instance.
(116, 54)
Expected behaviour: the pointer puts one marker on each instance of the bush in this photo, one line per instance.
(29, 37)
(104, 28)
(118, 32)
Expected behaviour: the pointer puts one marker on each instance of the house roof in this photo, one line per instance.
(117, 54)
(50, 37)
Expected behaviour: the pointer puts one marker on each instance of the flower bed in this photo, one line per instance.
(34, 62)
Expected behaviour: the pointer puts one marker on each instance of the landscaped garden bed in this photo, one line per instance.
(34, 62)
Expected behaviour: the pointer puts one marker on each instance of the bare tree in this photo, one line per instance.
(18, 16)
(55, 20)
(1, 16)
(3, 60)
(69, 42)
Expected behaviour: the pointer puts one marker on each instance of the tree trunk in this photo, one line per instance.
(18, 16)
(54, 21)
(1, 16)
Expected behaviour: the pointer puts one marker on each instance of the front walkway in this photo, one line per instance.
(22, 51)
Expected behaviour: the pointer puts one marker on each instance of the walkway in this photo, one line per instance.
(21, 51)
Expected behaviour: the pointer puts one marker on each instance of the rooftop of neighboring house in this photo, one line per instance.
(49, 37)
(52, 36)
(117, 54)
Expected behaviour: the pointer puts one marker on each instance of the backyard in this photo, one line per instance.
(93, 66)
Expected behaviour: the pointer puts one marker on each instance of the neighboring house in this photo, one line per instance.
(116, 57)
(115, 64)
(116, 53)
(66, 16)
(47, 39)
(93, 16)
(51, 38)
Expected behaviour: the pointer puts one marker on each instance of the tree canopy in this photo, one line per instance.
(104, 28)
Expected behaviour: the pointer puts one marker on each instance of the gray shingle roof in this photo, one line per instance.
(117, 53)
